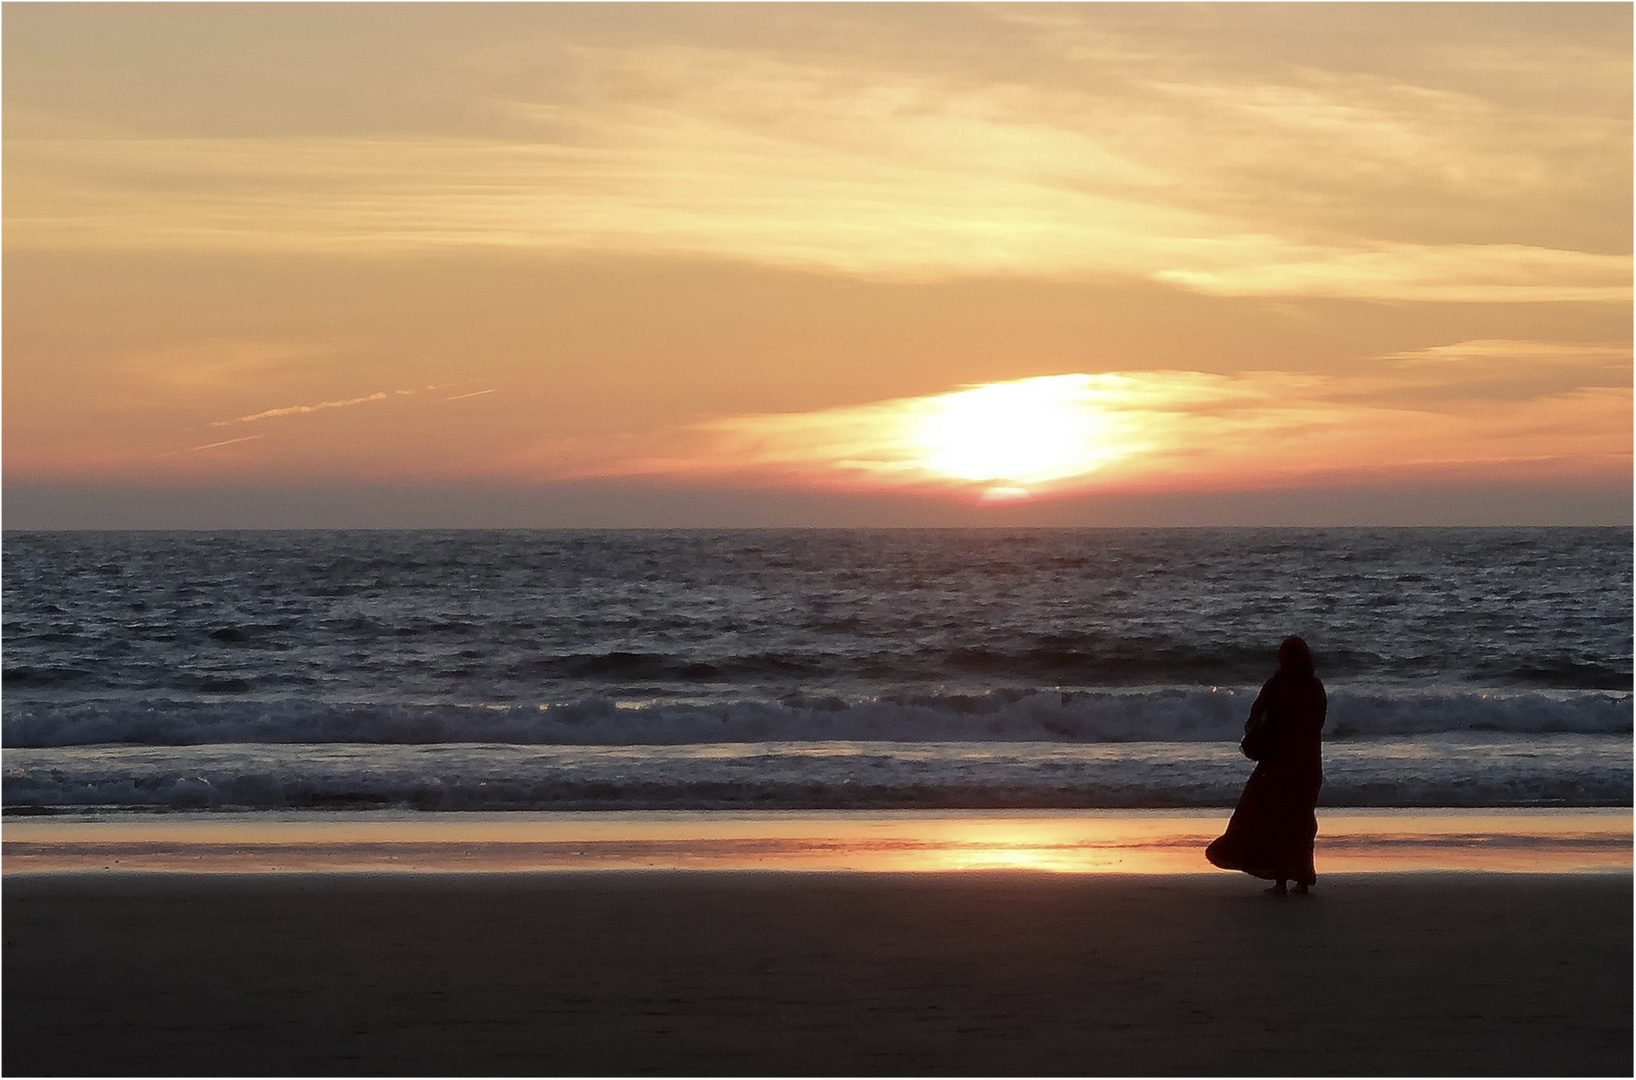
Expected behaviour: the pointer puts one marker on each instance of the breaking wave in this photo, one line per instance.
(1162, 715)
(1439, 770)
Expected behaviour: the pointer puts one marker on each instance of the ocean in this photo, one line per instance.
(804, 669)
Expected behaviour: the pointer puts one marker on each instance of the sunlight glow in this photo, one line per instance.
(1012, 434)
(1056, 435)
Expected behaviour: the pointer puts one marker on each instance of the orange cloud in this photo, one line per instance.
(1173, 163)
(1063, 434)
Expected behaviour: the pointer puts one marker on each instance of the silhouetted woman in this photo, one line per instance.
(1274, 825)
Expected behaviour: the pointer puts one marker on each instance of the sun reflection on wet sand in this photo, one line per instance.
(1092, 841)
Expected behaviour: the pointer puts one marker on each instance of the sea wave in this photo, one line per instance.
(1162, 715)
(1443, 770)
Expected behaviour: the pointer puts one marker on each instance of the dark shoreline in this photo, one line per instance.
(823, 973)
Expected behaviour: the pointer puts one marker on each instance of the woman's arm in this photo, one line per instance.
(1263, 701)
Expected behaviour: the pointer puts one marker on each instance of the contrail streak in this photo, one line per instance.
(291, 410)
(225, 442)
(478, 393)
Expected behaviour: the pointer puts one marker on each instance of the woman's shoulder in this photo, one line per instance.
(1297, 688)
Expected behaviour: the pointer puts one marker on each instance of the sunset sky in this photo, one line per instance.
(540, 265)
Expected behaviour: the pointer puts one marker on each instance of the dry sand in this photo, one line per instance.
(821, 973)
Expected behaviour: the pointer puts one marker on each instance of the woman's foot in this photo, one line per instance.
(1302, 888)
(1281, 889)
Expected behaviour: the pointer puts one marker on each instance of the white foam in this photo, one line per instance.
(1442, 770)
(1148, 715)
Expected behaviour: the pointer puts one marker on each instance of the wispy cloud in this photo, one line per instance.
(293, 410)
(1144, 154)
(1511, 351)
(727, 193)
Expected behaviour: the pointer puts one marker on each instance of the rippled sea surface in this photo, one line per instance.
(819, 667)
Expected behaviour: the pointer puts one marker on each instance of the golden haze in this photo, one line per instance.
(971, 253)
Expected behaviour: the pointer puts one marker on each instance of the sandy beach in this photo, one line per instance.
(1534, 840)
(815, 973)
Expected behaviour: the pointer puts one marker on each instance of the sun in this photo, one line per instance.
(1012, 435)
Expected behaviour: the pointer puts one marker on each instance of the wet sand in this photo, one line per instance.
(815, 973)
(1535, 840)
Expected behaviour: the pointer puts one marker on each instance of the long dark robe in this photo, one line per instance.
(1274, 825)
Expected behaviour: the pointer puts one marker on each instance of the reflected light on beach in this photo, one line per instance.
(1003, 860)
(1084, 841)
